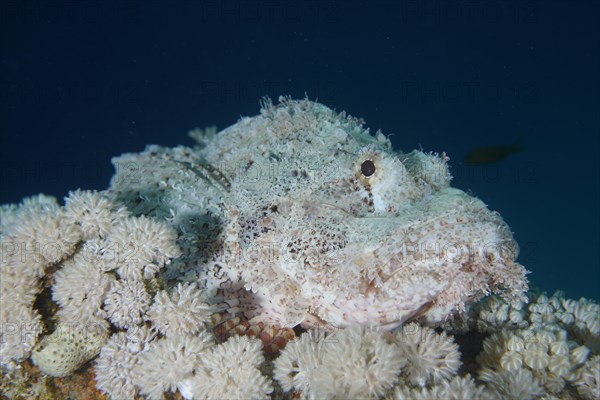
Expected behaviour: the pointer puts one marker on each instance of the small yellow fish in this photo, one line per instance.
(492, 154)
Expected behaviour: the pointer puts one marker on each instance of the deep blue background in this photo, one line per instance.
(83, 81)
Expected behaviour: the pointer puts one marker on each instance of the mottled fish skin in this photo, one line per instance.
(300, 216)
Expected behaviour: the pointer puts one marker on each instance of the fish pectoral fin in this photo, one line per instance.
(208, 172)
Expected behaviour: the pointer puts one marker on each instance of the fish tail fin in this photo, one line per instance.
(518, 145)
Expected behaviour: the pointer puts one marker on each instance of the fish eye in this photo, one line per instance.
(367, 168)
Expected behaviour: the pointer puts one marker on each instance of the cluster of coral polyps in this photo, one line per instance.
(188, 274)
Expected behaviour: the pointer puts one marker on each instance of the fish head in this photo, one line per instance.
(356, 233)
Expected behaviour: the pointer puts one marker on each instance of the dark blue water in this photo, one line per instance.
(84, 81)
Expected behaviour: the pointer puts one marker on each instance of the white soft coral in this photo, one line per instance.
(184, 312)
(351, 363)
(431, 357)
(229, 371)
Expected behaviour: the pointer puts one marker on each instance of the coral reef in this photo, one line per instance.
(73, 244)
(34, 236)
(292, 255)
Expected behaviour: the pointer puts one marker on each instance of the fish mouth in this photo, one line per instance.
(387, 270)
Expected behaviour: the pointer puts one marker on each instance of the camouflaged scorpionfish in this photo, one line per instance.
(300, 216)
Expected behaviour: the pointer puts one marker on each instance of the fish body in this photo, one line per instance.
(300, 215)
(491, 154)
